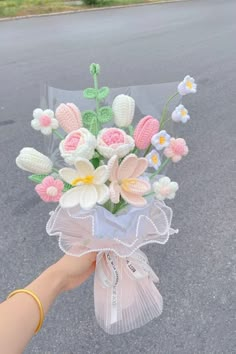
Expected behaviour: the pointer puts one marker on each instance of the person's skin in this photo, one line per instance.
(19, 315)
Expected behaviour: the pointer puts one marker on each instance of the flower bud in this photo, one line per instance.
(146, 128)
(69, 117)
(123, 109)
(33, 161)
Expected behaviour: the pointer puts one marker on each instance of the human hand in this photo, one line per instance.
(73, 271)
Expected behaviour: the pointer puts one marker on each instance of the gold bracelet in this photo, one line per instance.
(35, 297)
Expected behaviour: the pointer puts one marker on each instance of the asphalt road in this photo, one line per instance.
(141, 45)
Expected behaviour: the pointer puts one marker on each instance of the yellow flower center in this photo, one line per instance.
(162, 140)
(189, 85)
(85, 180)
(154, 159)
(183, 112)
(126, 182)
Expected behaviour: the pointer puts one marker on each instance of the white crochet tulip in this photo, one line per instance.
(33, 161)
(123, 109)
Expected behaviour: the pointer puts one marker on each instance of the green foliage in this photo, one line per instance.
(90, 93)
(105, 114)
(67, 186)
(103, 92)
(93, 119)
(95, 161)
(37, 178)
(88, 117)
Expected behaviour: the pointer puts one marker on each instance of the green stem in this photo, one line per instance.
(55, 170)
(148, 195)
(95, 78)
(160, 168)
(148, 150)
(131, 130)
(58, 134)
(119, 206)
(163, 116)
(135, 150)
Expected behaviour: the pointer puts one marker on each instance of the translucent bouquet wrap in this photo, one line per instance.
(107, 174)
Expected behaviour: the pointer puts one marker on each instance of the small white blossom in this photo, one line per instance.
(187, 86)
(180, 114)
(154, 159)
(161, 140)
(165, 189)
(44, 121)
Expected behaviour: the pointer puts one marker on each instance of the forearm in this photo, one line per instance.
(20, 314)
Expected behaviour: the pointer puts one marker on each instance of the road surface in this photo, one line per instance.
(140, 45)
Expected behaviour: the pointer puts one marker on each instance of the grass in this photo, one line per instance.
(10, 8)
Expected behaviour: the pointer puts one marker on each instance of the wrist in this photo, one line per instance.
(56, 278)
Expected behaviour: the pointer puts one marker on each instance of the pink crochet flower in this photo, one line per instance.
(125, 182)
(176, 149)
(50, 190)
(146, 128)
(114, 141)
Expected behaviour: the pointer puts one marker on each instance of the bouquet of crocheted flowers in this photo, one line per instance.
(111, 193)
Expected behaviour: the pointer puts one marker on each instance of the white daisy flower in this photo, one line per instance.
(165, 189)
(187, 86)
(154, 159)
(89, 185)
(161, 140)
(44, 121)
(180, 114)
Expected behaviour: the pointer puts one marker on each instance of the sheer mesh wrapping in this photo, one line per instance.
(81, 231)
(125, 296)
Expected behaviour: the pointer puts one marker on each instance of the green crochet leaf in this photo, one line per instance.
(67, 186)
(37, 178)
(88, 117)
(94, 127)
(95, 161)
(103, 92)
(90, 93)
(105, 114)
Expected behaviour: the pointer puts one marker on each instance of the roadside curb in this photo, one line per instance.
(88, 10)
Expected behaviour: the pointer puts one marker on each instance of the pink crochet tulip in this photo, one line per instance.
(50, 190)
(146, 128)
(125, 182)
(69, 117)
(176, 149)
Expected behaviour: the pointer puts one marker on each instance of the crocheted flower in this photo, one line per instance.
(44, 121)
(50, 190)
(153, 159)
(187, 86)
(114, 141)
(69, 117)
(89, 185)
(125, 182)
(176, 149)
(165, 189)
(180, 114)
(144, 131)
(33, 161)
(160, 140)
(79, 143)
(123, 109)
